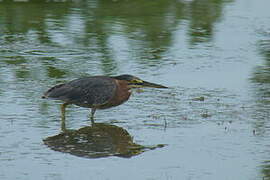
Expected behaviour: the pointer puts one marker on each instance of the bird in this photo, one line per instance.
(96, 92)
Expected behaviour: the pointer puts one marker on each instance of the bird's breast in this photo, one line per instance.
(121, 95)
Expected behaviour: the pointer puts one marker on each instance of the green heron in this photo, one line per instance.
(97, 92)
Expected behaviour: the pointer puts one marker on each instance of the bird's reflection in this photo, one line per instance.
(98, 140)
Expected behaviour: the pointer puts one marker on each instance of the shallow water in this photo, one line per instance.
(212, 123)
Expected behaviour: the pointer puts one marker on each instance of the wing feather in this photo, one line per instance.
(87, 92)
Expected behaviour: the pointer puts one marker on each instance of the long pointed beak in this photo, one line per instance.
(153, 85)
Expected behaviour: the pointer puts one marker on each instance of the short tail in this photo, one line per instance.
(51, 91)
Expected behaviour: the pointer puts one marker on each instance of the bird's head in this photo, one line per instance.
(135, 82)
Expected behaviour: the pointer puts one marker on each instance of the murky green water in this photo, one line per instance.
(212, 123)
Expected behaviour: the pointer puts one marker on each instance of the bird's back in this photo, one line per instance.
(87, 92)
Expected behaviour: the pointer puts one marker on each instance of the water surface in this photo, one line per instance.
(212, 123)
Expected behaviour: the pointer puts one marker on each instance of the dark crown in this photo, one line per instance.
(126, 77)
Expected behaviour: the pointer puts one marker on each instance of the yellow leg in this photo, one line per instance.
(63, 117)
